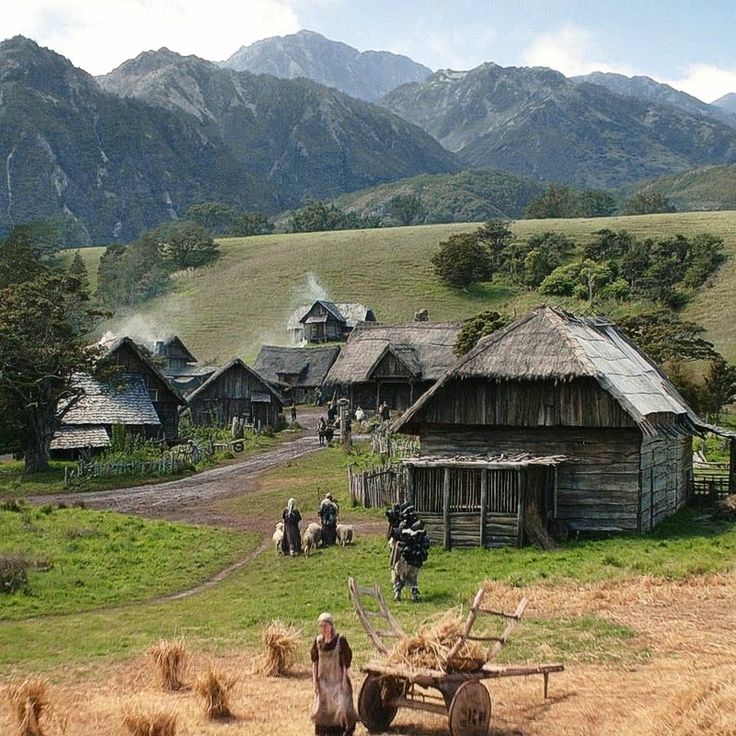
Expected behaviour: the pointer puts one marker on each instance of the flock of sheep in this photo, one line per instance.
(312, 536)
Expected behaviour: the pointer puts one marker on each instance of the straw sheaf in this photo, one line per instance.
(430, 646)
(424, 347)
(280, 643)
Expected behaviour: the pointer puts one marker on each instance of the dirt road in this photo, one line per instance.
(190, 499)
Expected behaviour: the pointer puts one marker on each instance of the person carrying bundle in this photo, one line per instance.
(409, 552)
(328, 511)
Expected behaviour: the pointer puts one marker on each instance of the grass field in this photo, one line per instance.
(82, 559)
(244, 300)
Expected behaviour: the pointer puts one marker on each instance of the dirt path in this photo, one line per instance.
(190, 499)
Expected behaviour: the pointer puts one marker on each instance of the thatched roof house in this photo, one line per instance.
(133, 359)
(296, 372)
(235, 390)
(88, 423)
(611, 434)
(393, 363)
(323, 320)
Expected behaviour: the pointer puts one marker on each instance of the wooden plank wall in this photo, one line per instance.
(578, 403)
(501, 530)
(665, 467)
(597, 490)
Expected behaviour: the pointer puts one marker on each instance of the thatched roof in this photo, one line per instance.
(103, 404)
(351, 313)
(489, 462)
(75, 438)
(552, 344)
(425, 348)
(173, 346)
(266, 395)
(310, 365)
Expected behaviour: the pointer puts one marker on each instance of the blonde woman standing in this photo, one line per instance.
(333, 711)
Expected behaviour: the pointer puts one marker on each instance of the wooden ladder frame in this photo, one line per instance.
(395, 631)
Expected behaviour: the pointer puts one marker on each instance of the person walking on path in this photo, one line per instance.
(291, 544)
(333, 711)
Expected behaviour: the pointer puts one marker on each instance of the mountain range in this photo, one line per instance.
(366, 75)
(536, 122)
(137, 146)
(176, 130)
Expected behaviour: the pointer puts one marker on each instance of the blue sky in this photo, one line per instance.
(686, 44)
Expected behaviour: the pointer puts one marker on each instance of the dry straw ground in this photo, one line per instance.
(686, 687)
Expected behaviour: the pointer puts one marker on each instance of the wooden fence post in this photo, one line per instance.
(483, 505)
(446, 509)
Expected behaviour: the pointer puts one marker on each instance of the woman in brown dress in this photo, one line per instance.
(333, 711)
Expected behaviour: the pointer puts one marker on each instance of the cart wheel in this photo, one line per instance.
(470, 710)
(373, 712)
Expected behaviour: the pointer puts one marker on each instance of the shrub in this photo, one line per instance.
(462, 260)
(13, 573)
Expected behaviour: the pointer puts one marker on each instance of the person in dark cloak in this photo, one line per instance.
(291, 543)
(327, 513)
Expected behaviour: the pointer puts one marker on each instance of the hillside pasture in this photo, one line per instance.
(246, 297)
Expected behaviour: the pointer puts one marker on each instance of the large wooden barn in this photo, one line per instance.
(235, 390)
(393, 363)
(295, 372)
(557, 418)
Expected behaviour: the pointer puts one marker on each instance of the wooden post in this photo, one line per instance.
(483, 505)
(446, 509)
(732, 465)
(520, 509)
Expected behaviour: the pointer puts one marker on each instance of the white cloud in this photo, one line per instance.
(100, 35)
(571, 50)
(706, 81)
(457, 47)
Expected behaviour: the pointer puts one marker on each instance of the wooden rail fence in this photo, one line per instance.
(379, 486)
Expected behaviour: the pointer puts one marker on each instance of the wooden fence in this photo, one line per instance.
(394, 446)
(709, 484)
(180, 458)
(379, 486)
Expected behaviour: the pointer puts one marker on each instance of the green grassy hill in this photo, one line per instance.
(244, 300)
(704, 188)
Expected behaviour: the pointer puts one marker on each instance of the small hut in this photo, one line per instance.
(235, 391)
(556, 417)
(87, 424)
(295, 372)
(326, 321)
(393, 363)
(180, 366)
(132, 359)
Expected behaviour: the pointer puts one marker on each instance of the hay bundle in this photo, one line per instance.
(170, 658)
(726, 507)
(28, 701)
(215, 688)
(279, 647)
(150, 724)
(432, 643)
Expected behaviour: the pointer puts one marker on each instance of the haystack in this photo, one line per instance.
(28, 701)
(280, 643)
(170, 658)
(150, 724)
(430, 646)
(215, 688)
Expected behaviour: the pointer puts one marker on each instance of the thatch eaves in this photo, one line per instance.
(310, 365)
(552, 344)
(424, 347)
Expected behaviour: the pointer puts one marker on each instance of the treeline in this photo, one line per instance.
(610, 266)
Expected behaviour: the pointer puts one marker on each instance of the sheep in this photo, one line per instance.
(345, 534)
(311, 538)
(278, 537)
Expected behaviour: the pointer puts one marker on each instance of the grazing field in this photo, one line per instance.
(244, 300)
(80, 559)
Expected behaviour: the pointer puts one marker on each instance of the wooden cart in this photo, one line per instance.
(462, 696)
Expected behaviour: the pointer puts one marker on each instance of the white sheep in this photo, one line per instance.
(345, 534)
(311, 538)
(278, 537)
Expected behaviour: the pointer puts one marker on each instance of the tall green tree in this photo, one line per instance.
(647, 203)
(184, 243)
(406, 209)
(42, 345)
(462, 260)
(485, 323)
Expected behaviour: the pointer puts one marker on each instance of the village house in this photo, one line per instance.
(325, 321)
(179, 365)
(393, 363)
(235, 391)
(136, 396)
(552, 421)
(295, 372)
